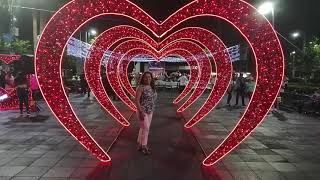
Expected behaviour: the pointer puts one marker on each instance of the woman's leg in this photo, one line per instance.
(237, 98)
(145, 132)
(26, 100)
(146, 127)
(139, 139)
(242, 98)
(229, 97)
(20, 102)
(149, 119)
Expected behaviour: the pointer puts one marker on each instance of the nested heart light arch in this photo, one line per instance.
(215, 45)
(200, 35)
(125, 60)
(252, 26)
(124, 47)
(190, 59)
(130, 44)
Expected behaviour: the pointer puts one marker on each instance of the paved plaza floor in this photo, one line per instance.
(282, 147)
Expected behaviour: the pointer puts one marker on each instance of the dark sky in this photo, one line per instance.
(290, 15)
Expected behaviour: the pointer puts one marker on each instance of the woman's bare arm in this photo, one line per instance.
(138, 96)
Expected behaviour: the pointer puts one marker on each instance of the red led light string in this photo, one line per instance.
(9, 58)
(130, 44)
(124, 63)
(10, 102)
(215, 45)
(93, 63)
(222, 61)
(253, 26)
(123, 67)
(98, 46)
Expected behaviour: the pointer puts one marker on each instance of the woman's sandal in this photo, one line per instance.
(146, 151)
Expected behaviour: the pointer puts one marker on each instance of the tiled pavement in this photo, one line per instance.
(282, 147)
(41, 149)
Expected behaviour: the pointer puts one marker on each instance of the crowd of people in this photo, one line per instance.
(241, 87)
(26, 87)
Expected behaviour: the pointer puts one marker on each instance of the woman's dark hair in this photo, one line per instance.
(21, 78)
(152, 80)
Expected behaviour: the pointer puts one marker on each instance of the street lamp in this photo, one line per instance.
(293, 72)
(93, 32)
(88, 34)
(296, 35)
(267, 8)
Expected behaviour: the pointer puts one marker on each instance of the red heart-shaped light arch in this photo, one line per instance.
(190, 59)
(127, 45)
(125, 60)
(200, 35)
(214, 45)
(254, 27)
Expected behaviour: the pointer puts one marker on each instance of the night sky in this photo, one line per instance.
(290, 15)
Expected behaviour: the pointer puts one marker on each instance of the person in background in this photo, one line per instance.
(36, 95)
(312, 103)
(145, 101)
(84, 85)
(3, 79)
(230, 91)
(212, 81)
(9, 80)
(276, 105)
(166, 77)
(240, 89)
(250, 87)
(34, 87)
(22, 87)
(183, 81)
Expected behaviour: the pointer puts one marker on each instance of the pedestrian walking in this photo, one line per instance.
(230, 91)
(240, 89)
(22, 87)
(250, 87)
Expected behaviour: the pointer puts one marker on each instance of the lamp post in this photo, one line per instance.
(88, 34)
(296, 35)
(293, 55)
(267, 8)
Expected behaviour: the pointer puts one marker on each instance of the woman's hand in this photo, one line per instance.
(140, 115)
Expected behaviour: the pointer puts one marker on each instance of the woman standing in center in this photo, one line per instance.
(145, 101)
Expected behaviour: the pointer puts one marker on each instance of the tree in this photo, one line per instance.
(92, 39)
(16, 46)
(312, 60)
(314, 48)
(313, 51)
(21, 46)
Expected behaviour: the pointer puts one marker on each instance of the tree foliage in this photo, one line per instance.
(313, 50)
(16, 46)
